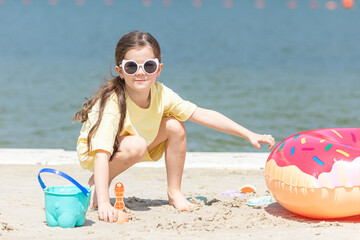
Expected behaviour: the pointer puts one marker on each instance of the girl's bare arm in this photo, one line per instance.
(106, 211)
(220, 122)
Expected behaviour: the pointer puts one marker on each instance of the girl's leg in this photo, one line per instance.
(131, 150)
(173, 132)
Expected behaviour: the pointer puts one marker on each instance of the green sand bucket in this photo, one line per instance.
(65, 206)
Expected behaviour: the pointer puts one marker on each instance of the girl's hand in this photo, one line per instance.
(255, 139)
(107, 212)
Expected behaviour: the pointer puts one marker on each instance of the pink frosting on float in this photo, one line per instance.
(315, 152)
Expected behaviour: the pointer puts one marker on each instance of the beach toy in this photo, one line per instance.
(247, 189)
(65, 206)
(232, 193)
(200, 198)
(259, 201)
(317, 173)
(119, 204)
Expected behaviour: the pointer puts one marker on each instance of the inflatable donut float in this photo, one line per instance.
(317, 173)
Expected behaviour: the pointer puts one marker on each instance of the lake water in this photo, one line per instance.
(273, 70)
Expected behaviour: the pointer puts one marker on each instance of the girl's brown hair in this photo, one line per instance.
(117, 84)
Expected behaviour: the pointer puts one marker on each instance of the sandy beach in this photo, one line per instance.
(22, 213)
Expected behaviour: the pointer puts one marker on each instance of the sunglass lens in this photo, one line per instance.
(130, 67)
(150, 66)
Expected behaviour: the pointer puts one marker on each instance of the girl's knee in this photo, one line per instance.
(133, 147)
(174, 126)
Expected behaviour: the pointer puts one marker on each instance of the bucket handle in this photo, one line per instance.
(50, 170)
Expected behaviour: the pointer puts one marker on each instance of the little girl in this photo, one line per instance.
(134, 118)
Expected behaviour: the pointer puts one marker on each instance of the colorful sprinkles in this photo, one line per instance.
(303, 140)
(343, 153)
(328, 147)
(292, 151)
(353, 137)
(296, 136)
(307, 149)
(318, 160)
(329, 139)
(336, 133)
(281, 146)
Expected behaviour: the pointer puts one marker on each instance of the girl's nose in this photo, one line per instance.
(140, 71)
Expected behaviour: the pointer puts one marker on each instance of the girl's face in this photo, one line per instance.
(141, 81)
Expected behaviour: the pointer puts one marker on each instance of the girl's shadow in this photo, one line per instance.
(277, 210)
(138, 204)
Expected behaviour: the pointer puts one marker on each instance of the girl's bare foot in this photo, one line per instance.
(93, 199)
(178, 200)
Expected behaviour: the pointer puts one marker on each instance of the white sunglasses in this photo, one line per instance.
(131, 67)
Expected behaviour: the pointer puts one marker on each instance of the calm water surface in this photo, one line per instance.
(273, 70)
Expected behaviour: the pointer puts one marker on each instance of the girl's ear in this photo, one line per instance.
(119, 71)
(159, 70)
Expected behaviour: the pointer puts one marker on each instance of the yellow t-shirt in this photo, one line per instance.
(138, 121)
